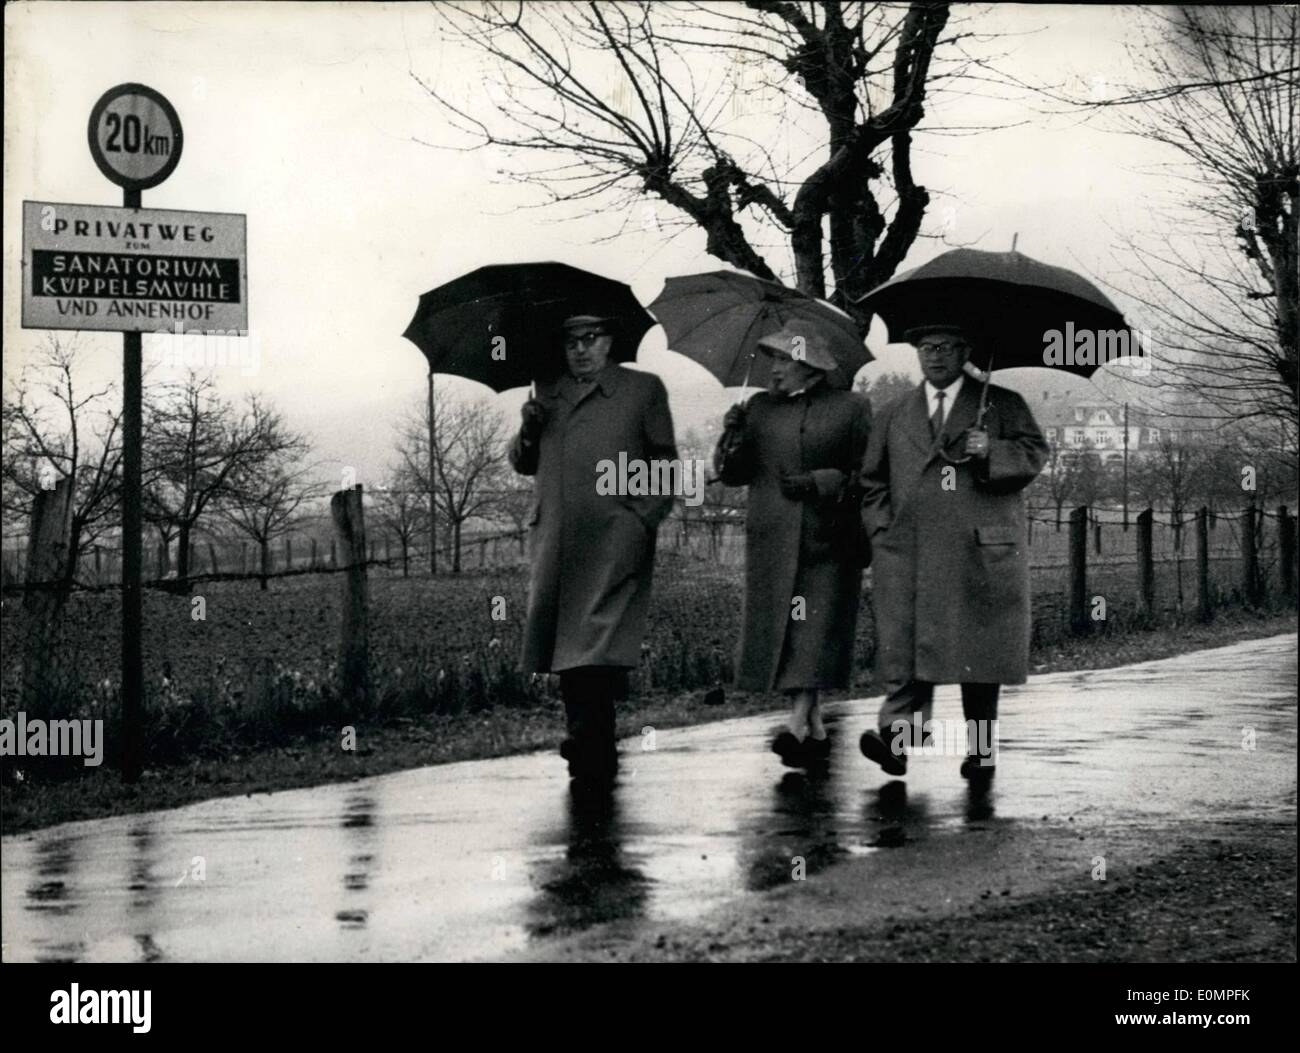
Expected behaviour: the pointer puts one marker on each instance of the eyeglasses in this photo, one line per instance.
(583, 340)
(943, 349)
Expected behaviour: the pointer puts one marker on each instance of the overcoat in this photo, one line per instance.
(950, 581)
(592, 552)
(794, 550)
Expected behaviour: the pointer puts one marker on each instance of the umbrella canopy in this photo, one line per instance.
(1006, 301)
(718, 318)
(501, 325)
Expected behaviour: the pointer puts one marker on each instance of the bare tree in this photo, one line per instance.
(199, 449)
(265, 496)
(886, 388)
(53, 427)
(634, 100)
(1173, 474)
(1073, 475)
(469, 460)
(1221, 274)
(403, 512)
(514, 504)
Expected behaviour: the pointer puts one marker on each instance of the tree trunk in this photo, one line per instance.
(183, 554)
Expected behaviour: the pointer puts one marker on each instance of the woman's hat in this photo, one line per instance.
(802, 341)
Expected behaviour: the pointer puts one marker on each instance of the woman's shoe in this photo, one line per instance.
(818, 751)
(789, 749)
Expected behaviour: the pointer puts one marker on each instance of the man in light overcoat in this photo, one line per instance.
(942, 505)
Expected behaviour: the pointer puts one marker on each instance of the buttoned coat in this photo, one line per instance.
(803, 582)
(592, 552)
(950, 578)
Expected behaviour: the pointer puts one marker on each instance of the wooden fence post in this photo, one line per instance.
(334, 560)
(243, 557)
(1250, 558)
(1079, 622)
(48, 549)
(1096, 536)
(1204, 601)
(354, 652)
(212, 557)
(1286, 541)
(1146, 563)
(288, 552)
(313, 552)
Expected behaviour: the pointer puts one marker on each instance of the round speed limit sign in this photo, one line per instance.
(135, 136)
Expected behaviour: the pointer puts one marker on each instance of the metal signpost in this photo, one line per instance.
(133, 270)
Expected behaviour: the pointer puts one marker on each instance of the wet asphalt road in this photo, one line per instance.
(484, 858)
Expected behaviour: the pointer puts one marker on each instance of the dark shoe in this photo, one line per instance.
(790, 750)
(876, 749)
(818, 751)
(971, 768)
(590, 762)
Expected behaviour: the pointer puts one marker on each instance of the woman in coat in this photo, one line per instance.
(797, 448)
(592, 551)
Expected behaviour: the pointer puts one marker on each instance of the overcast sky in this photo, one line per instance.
(307, 119)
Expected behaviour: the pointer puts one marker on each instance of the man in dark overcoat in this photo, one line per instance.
(592, 545)
(942, 505)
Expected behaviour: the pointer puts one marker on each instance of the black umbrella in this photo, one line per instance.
(1006, 301)
(501, 325)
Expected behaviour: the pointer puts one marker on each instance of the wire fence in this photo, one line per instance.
(710, 533)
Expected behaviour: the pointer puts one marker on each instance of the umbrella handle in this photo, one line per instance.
(984, 396)
(744, 386)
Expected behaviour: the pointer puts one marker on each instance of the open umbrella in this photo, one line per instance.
(1010, 305)
(1005, 300)
(718, 318)
(500, 325)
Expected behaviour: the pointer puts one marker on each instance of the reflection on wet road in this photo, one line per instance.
(476, 859)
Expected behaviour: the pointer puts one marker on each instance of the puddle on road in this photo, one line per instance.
(478, 859)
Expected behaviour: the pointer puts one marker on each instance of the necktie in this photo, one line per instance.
(936, 422)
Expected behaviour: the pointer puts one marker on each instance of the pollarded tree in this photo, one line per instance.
(781, 130)
(1221, 90)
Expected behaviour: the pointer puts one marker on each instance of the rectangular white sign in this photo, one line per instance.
(145, 270)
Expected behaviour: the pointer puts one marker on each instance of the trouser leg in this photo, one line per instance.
(589, 694)
(979, 705)
(612, 688)
(575, 689)
(905, 711)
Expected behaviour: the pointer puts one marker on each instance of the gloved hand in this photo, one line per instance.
(534, 416)
(735, 417)
(798, 487)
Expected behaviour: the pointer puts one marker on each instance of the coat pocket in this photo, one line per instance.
(997, 535)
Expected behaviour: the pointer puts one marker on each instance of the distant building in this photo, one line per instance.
(1073, 425)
